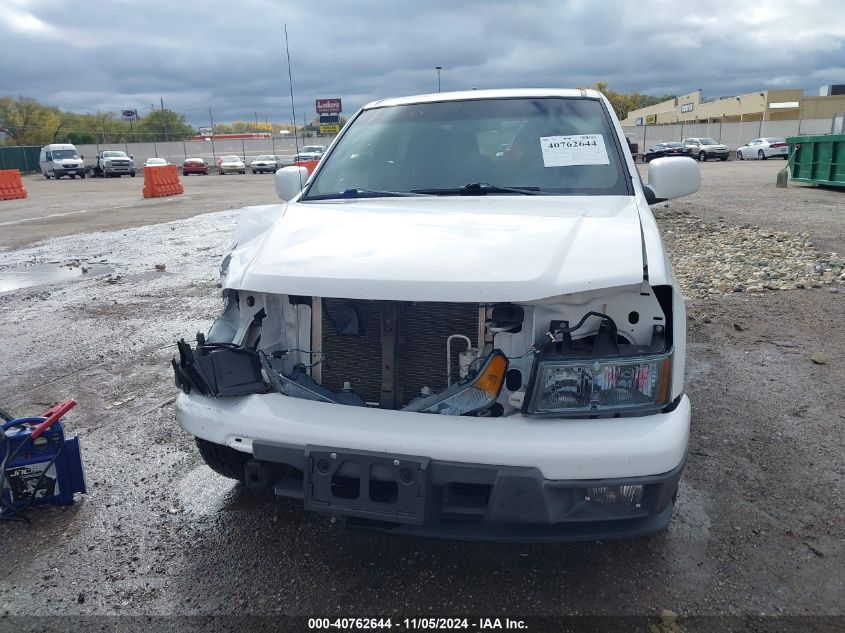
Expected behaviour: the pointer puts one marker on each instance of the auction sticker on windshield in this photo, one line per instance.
(582, 149)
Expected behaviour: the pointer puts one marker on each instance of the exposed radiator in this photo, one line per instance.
(422, 330)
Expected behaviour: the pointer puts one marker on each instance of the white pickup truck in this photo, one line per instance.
(463, 324)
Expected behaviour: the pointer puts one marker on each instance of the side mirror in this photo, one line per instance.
(131, 156)
(289, 182)
(672, 177)
(81, 156)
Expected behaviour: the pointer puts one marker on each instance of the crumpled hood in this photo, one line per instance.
(479, 248)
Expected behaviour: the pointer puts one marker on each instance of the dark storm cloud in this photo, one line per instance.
(100, 55)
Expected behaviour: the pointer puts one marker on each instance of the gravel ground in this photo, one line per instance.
(758, 528)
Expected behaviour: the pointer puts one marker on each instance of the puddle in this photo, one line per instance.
(25, 276)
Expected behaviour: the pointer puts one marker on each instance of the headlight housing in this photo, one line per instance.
(469, 396)
(586, 386)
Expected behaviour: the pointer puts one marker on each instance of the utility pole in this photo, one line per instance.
(256, 120)
(438, 69)
(164, 118)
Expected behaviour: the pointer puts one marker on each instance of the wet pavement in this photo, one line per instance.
(758, 527)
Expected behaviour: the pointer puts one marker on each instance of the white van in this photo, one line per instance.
(59, 160)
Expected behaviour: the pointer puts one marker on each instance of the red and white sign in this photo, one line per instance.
(329, 106)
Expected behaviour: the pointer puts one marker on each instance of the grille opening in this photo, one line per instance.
(465, 501)
(346, 481)
(384, 491)
(420, 342)
(383, 487)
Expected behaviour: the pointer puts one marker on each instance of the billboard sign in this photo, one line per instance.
(687, 107)
(329, 106)
(651, 119)
(332, 128)
(329, 119)
(205, 131)
(129, 115)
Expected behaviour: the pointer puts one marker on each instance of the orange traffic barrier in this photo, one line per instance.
(11, 187)
(308, 164)
(162, 181)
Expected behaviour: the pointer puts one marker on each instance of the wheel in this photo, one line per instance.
(786, 157)
(243, 172)
(222, 459)
(132, 173)
(702, 156)
(73, 176)
(645, 158)
(46, 175)
(723, 158)
(6, 416)
(739, 155)
(761, 155)
(82, 175)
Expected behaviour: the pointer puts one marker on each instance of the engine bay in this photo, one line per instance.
(601, 352)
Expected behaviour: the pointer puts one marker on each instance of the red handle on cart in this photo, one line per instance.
(52, 414)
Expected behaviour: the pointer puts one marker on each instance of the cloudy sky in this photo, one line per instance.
(108, 55)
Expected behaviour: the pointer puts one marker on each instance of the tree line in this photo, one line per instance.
(25, 121)
(623, 102)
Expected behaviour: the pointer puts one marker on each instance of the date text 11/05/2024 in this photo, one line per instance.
(436, 624)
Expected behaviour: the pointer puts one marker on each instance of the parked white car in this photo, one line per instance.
(310, 152)
(230, 164)
(436, 336)
(763, 148)
(264, 164)
(155, 162)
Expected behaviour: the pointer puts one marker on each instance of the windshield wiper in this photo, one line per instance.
(482, 189)
(358, 192)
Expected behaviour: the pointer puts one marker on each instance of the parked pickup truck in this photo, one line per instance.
(436, 336)
(112, 163)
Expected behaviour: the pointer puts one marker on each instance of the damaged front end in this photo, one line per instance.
(595, 354)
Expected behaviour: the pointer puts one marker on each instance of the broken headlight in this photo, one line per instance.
(597, 386)
(468, 396)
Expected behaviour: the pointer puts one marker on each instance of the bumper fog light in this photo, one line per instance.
(631, 496)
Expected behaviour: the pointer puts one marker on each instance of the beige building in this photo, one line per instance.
(769, 105)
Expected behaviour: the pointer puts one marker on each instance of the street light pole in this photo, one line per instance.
(438, 69)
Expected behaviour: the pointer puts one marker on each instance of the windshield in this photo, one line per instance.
(708, 141)
(114, 155)
(266, 158)
(64, 153)
(312, 148)
(547, 145)
(231, 159)
(674, 145)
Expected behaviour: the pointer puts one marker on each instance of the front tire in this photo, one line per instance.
(46, 175)
(223, 460)
(702, 157)
(739, 156)
(723, 158)
(761, 155)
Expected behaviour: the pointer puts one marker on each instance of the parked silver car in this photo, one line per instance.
(763, 148)
(703, 148)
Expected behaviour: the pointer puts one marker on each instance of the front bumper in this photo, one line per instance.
(67, 171)
(513, 478)
(422, 497)
(558, 448)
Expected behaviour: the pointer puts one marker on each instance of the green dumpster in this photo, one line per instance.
(819, 160)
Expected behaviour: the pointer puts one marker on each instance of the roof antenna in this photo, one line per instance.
(292, 108)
